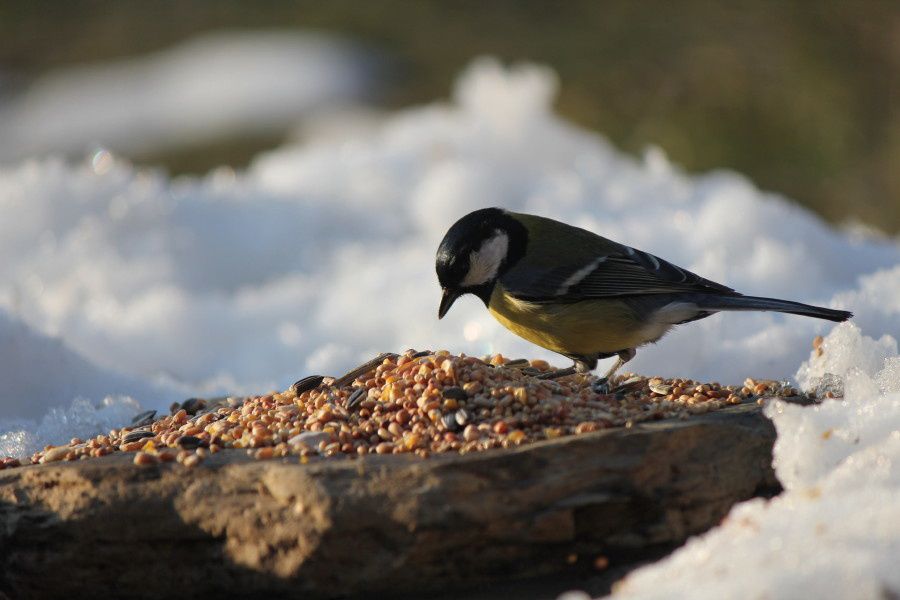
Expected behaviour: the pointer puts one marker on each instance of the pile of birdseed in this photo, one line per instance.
(416, 402)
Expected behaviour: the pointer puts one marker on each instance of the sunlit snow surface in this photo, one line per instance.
(835, 531)
(320, 255)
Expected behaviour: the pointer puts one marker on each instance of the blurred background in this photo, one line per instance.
(803, 97)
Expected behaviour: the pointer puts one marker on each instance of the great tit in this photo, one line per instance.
(578, 294)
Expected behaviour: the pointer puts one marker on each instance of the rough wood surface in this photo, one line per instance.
(240, 527)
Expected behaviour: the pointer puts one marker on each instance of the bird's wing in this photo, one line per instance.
(617, 271)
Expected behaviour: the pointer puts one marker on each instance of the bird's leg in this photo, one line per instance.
(624, 357)
(601, 386)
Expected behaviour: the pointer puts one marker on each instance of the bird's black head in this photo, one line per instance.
(475, 251)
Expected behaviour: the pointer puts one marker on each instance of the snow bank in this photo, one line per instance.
(47, 391)
(321, 254)
(218, 85)
(39, 373)
(835, 531)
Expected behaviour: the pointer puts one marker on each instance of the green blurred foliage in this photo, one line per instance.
(802, 96)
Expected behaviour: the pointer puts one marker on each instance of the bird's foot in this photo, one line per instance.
(601, 386)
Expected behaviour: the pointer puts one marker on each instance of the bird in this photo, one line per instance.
(578, 294)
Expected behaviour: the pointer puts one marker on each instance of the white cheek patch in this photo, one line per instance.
(484, 263)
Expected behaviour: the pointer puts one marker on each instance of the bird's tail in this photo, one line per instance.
(717, 303)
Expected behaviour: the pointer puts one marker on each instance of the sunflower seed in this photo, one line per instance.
(309, 438)
(137, 435)
(660, 388)
(519, 362)
(454, 393)
(358, 395)
(449, 421)
(144, 418)
(193, 405)
(362, 369)
(307, 383)
(189, 442)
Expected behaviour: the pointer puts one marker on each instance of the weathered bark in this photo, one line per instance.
(374, 524)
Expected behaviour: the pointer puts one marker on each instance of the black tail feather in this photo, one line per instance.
(718, 303)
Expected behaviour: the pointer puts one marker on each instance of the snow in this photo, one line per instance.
(47, 390)
(216, 85)
(122, 289)
(39, 373)
(835, 531)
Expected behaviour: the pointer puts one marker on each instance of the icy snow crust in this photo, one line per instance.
(321, 255)
(835, 531)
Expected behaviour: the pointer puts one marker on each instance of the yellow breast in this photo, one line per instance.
(582, 328)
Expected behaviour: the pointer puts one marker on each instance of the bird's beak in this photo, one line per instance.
(447, 301)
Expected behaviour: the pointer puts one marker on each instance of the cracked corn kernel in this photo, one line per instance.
(516, 436)
(411, 441)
